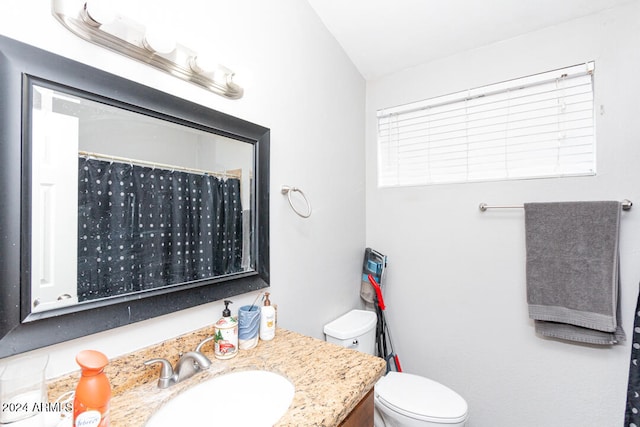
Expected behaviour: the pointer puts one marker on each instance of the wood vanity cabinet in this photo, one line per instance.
(362, 414)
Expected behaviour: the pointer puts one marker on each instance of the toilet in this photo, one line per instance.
(401, 399)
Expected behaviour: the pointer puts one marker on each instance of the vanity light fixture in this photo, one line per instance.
(97, 22)
(96, 13)
(159, 42)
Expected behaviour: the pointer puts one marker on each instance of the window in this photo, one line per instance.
(532, 127)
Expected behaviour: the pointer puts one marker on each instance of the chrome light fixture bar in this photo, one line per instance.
(92, 21)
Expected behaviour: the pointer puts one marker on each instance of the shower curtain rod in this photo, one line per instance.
(626, 205)
(234, 173)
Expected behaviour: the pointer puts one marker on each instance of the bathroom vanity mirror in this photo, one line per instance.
(119, 202)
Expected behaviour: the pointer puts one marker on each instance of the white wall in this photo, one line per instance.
(307, 91)
(455, 288)
(455, 284)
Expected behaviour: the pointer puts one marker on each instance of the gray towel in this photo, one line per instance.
(572, 270)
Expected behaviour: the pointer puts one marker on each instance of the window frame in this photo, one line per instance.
(575, 148)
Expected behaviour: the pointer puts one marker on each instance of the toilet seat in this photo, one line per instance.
(420, 398)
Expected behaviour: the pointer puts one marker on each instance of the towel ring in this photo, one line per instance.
(288, 190)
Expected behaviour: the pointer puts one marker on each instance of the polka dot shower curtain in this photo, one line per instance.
(632, 409)
(140, 228)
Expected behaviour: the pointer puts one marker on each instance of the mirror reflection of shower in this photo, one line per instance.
(146, 203)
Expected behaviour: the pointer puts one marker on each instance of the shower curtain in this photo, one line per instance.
(140, 228)
(632, 409)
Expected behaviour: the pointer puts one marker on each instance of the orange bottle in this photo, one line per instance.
(93, 393)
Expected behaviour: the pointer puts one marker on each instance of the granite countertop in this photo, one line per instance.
(329, 380)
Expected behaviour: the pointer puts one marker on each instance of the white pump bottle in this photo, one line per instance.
(267, 320)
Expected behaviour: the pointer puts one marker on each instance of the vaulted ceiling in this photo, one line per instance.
(385, 36)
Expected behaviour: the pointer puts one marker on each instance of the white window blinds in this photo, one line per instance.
(532, 127)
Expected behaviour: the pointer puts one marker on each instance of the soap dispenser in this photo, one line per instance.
(267, 320)
(226, 334)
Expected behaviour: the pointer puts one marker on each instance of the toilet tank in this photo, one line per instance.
(355, 329)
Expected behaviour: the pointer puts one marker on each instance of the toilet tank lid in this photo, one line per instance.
(420, 398)
(351, 324)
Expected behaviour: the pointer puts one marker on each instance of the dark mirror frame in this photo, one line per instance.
(19, 330)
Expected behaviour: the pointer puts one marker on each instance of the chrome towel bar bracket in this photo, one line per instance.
(286, 189)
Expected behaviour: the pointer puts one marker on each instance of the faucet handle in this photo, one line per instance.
(166, 373)
(166, 370)
(206, 340)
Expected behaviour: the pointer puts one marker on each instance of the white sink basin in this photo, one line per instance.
(246, 398)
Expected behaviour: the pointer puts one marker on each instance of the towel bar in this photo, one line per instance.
(626, 205)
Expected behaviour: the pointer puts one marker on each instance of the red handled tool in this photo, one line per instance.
(376, 288)
(384, 345)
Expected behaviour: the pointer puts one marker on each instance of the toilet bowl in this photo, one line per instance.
(401, 399)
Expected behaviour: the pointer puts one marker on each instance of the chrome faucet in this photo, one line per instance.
(189, 364)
